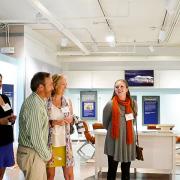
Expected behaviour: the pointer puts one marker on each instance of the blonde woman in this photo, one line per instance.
(60, 116)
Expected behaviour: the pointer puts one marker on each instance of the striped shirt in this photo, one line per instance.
(33, 126)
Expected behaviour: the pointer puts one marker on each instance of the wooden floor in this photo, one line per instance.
(84, 170)
(139, 176)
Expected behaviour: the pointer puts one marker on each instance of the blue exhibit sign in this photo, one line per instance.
(88, 104)
(151, 108)
(8, 90)
(89, 109)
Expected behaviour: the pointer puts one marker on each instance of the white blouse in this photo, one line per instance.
(58, 132)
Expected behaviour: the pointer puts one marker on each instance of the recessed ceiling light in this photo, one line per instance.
(64, 42)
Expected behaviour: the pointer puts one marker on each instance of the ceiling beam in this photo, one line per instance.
(46, 13)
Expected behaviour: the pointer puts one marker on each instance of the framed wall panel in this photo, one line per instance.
(88, 106)
(151, 109)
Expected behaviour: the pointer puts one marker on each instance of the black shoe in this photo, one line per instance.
(125, 177)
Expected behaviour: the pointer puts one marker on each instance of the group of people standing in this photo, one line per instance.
(44, 130)
(41, 144)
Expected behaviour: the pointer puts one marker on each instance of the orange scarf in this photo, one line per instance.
(116, 119)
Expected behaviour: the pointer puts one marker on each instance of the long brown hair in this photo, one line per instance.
(133, 103)
(127, 86)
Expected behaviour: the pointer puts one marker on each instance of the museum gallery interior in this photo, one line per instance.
(94, 43)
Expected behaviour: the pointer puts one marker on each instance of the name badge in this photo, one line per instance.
(129, 116)
(6, 107)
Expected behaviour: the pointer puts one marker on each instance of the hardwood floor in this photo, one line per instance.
(138, 176)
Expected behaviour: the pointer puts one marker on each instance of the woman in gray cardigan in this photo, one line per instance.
(118, 116)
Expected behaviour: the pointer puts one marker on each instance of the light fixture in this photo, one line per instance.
(64, 42)
(162, 35)
(112, 44)
(170, 6)
(151, 49)
(111, 39)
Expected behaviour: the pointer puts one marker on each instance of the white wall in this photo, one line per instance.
(38, 47)
(106, 79)
(169, 104)
(167, 86)
(40, 55)
(33, 66)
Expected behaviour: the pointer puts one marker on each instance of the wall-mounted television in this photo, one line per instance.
(139, 77)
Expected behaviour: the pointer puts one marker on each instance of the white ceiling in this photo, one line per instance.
(135, 23)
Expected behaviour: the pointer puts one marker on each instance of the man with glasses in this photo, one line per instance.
(33, 151)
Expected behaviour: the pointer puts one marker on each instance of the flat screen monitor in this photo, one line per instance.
(139, 77)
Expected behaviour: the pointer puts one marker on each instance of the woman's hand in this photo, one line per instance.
(12, 118)
(60, 122)
(5, 120)
(68, 119)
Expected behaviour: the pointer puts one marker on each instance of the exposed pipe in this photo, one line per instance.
(78, 53)
(6, 37)
(163, 24)
(107, 22)
(164, 20)
(174, 22)
(4, 27)
(8, 42)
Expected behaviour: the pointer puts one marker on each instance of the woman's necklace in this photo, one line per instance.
(57, 102)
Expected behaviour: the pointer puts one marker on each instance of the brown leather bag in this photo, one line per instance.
(139, 153)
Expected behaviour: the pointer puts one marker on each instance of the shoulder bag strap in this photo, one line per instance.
(137, 140)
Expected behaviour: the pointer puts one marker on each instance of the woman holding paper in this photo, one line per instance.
(118, 116)
(60, 115)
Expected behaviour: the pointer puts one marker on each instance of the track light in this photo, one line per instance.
(170, 6)
(162, 35)
(64, 42)
(111, 39)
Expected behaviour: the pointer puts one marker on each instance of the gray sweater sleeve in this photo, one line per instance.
(107, 114)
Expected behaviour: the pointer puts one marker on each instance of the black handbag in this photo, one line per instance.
(139, 150)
